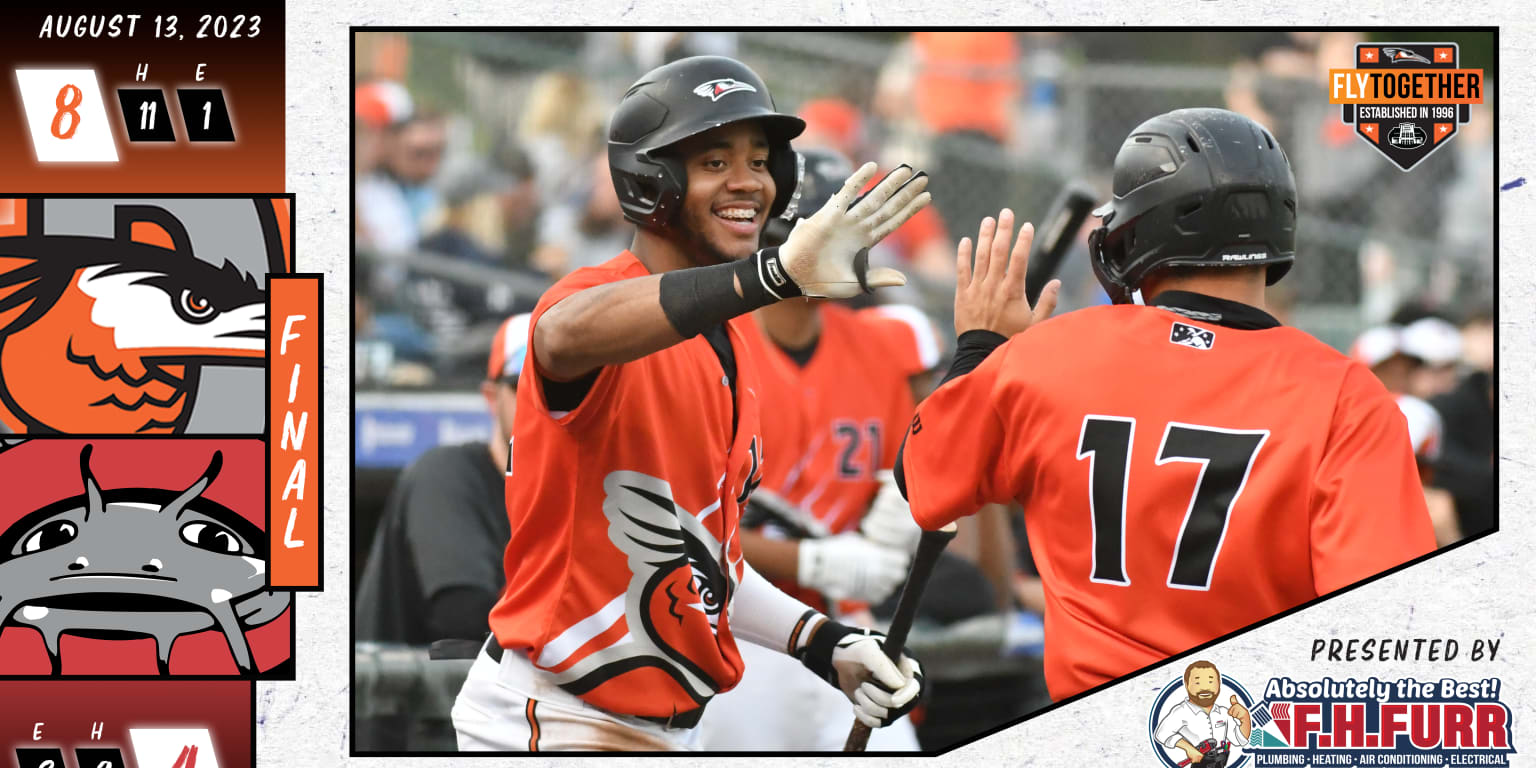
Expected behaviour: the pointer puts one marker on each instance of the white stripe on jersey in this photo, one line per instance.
(922, 331)
(559, 649)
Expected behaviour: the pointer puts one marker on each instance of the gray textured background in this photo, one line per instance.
(1480, 590)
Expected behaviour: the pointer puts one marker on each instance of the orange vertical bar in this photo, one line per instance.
(293, 429)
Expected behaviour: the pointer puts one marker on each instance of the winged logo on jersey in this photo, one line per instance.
(678, 581)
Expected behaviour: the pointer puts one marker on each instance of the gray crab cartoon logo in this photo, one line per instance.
(134, 562)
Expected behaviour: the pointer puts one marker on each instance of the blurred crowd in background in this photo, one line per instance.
(482, 176)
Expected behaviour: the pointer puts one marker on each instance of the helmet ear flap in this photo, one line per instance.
(1104, 267)
(787, 168)
(653, 192)
(674, 187)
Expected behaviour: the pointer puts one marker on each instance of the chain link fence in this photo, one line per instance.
(1371, 236)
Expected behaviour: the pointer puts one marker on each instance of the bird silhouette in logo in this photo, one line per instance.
(1401, 55)
(111, 308)
(679, 583)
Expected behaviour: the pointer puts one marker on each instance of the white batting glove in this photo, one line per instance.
(850, 567)
(827, 254)
(854, 661)
(889, 519)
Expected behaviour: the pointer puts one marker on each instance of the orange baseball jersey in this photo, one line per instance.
(839, 419)
(1180, 478)
(625, 551)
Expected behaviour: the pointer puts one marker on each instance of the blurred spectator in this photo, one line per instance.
(466, 231)
(1384, 351)
(380, 105)
(833, 123)
(1467, 461)
(1426, 433)
(588, 231)
(963, 89)
(560, 131)
(967, 82)
(1437, 344)
(472, 225)
(389, 347)
(922, 243)
(394, 198)
(520, 204)
(1380, 349)
(626, 55)
(435, 567)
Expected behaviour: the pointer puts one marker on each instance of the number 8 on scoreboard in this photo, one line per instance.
(65, 116)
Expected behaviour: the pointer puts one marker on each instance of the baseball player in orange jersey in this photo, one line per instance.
(1188, 457)
(636, 439)
(844, 377)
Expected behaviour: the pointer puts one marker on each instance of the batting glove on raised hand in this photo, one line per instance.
(853, 660)
(850, 567)
(889, 519)
(827, 254)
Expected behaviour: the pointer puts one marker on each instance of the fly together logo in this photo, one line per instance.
(1406, 99)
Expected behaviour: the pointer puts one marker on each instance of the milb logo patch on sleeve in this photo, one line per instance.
(1191, 336)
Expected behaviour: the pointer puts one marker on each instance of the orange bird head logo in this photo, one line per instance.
(110, 309)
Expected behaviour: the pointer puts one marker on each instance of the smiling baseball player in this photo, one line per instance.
(636, 440)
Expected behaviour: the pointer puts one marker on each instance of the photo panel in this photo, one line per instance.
(1176, 484)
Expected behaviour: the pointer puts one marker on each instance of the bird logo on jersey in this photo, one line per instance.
(678, 582)
(112, 309)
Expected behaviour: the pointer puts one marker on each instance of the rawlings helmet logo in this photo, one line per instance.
(714, 89)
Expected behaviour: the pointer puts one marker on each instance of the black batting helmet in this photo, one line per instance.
(1197, 188)
(682, 99)
(822, 174)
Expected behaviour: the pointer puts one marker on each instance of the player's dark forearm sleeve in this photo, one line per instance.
(702, 297)
(970, 350)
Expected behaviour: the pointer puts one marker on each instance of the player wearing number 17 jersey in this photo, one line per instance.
(1187, 466)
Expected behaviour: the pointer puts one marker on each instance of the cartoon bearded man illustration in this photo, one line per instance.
(1199, 726)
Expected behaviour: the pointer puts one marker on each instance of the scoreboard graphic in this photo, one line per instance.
(174, 98)
(159, 385)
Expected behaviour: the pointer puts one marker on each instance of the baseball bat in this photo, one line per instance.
(928, 549)
(1053, 238)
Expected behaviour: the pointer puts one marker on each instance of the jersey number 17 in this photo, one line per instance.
(1225, 457)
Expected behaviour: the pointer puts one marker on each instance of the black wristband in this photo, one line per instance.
(699, 298)
(970, 350)
(771, 277)
(817, 654)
